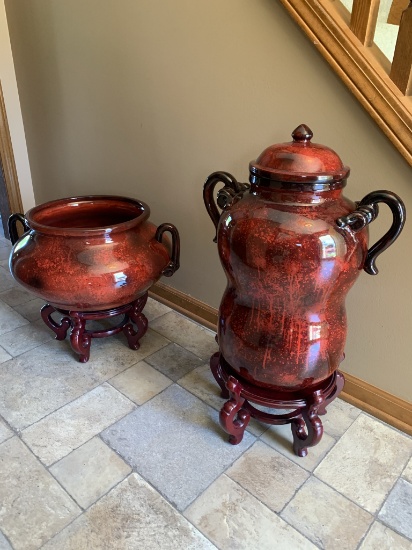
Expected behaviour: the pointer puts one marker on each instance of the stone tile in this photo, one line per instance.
(25, 338)
(407, 473)
(397, 510)
(4, 243)
(30, 310)
(281, 439)
(268, 475)
(340, 415)
(33, 505)
(174, 442)
(149, 344)
(132, 516)
(4, 263)
(16, 296)
(6, 278)
(201, 383)
(235, 520)
(4, 544)
(317, 511)
(187, 334)
(39, 381)
(366, 462)
(58, 434)
(154, 309)
(42, 380)
(174, 361)
(90, 471)
(4, 252)
(10, 319)
(381, 537)
(5, 432)
(4, 356)
(140, 382)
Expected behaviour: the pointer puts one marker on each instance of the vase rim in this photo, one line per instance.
(38, 218)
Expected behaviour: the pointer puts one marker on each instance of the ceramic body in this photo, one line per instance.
(282, 319)
(91, 253)
(291, 246)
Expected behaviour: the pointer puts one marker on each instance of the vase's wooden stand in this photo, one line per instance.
(306, 406)
(133, 325)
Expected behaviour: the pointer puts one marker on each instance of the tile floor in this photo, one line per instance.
(125, 452)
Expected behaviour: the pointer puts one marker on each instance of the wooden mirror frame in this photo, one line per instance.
(365, 71)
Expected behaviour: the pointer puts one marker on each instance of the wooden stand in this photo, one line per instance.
(306, 406)
(134, 325)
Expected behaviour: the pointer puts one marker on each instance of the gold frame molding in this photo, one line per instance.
(7, 160)
(377, 402)
(365, 71)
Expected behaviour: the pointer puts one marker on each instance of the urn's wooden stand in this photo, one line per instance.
(134, 325)
(305, 407)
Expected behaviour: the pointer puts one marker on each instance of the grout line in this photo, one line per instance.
(278, 514)
(373, 514)
(366, 534)
(369, 415)
(81, 395)
(377, 518)
(256, 438)
(83, 510)
(38, 461)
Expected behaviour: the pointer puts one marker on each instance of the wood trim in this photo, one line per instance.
(183, 303)
(377, 402)
(7, 160)
(326, 25)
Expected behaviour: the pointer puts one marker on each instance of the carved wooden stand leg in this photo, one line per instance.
(233, 417)
(137, 317)
(307, 429)
(81, 337)
(59, 329)
(302, 439)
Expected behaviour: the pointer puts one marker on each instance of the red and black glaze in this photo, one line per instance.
(291, 246)
(91, 253)
(92, 258)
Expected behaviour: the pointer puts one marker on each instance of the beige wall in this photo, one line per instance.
(14, 118)
(146, 98)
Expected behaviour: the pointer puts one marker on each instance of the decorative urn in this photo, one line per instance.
(291, 246)
(92, 258)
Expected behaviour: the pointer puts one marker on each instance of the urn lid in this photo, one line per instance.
(299, 161)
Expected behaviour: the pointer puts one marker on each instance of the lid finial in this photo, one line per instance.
(302, 133)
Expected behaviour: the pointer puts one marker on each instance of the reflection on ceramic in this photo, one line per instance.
(91, 253)
(291, 246)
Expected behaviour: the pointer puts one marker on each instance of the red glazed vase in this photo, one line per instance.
(91, 253)
(291, 246)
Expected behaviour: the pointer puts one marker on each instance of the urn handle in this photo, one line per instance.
(231, 188)
(174, 264)
(12, 226)
(367, 210)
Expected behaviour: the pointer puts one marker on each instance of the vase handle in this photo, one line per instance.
(174, 264)
(367, 210)
(12, 226)
(231, 188)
